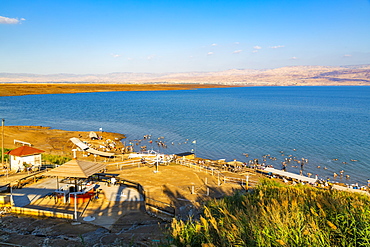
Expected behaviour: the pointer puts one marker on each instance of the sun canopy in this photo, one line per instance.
(101, 153)
(235, 163)
(79, 143)
(77, 169)
(86, 148)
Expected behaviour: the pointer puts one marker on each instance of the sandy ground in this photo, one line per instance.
(16, 89)
(172, 184)
(52, 141)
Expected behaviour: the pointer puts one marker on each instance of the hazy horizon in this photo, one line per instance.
(185, 72)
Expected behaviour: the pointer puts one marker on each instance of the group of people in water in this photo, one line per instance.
(294, 162)
(267, 160)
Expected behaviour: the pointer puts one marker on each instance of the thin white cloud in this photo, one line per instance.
(257, 47)
(277, 46)
(255, 51)
(347, 55)
(116, 55)
(6, 20)
(293, 58)
(214, 44)
(210, 53)
(236, 43)
(150, 57)
(237, 51)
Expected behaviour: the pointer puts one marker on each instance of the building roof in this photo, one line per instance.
(76, 169)
(24, 151)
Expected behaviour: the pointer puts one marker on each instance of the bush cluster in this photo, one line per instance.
(278, 215)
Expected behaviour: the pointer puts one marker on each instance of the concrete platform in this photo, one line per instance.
(29, 194)
(114, 202)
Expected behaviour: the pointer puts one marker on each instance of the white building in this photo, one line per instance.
(24, 157)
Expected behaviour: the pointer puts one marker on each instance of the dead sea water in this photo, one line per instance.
(329, 126)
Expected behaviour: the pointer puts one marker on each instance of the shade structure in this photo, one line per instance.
(86, 148)
(235, 163)
(77, 169)
(79, 143)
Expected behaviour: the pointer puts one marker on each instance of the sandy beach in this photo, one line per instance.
(164, 186)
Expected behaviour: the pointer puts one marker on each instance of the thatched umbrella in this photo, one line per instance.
(76, 169)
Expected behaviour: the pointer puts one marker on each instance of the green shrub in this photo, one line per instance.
(55, 159)
(6, 156)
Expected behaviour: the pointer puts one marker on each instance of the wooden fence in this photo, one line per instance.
(215, 172)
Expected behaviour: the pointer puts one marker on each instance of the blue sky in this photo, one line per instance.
(82, 37)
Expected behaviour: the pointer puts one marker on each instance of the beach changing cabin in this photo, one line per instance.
(24, 157)
(186, 155)
(93, 135)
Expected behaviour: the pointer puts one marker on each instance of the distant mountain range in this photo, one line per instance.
(285, 76)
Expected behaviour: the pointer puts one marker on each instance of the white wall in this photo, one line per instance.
(16, 162)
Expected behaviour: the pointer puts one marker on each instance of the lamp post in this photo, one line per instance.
(195, 145)
(75, 202)
(247, 182)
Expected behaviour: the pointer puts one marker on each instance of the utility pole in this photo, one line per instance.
(2, 142)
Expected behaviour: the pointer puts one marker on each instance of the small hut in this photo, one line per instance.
(186, 155)
(93, 135)
(24, 157)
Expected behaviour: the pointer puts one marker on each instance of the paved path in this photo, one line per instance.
(338, 187)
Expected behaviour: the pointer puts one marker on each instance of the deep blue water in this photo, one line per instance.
(317, 123)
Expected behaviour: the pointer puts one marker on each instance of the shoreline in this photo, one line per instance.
(56, 141)
(19, 89)
(26, 88)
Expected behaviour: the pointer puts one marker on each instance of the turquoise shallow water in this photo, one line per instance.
(317, 123)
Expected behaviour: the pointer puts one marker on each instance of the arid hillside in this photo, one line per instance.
(285, 76)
